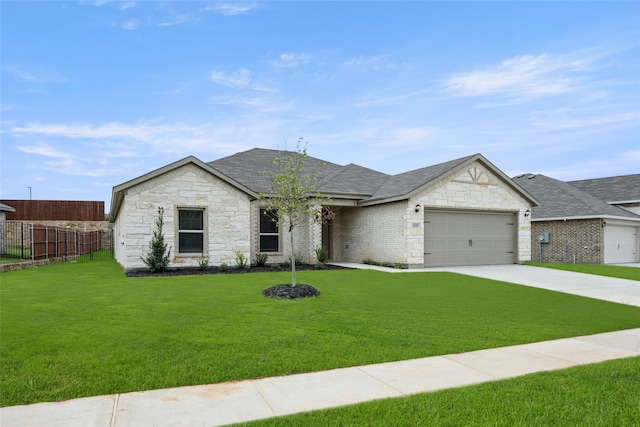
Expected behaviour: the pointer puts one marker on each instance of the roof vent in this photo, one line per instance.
(532, 176)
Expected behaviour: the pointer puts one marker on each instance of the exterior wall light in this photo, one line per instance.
(527, 213)
(604, 224)
(418, 207)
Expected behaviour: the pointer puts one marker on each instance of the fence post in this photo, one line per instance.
(91, 245)
(32, 243)
(21, 240)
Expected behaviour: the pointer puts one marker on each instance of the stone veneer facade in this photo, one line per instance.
(394, 232)
(389, 232)
(227, 214)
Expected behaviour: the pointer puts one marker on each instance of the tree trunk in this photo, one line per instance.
(293, 261)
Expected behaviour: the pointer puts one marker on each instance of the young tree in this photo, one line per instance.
(293, 195)
(158, 257)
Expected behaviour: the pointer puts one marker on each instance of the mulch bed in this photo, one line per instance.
(194, 271)
(287, 291)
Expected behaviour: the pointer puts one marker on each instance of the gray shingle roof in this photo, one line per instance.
(246, 171)
(408, 182)
(559, 199)
(248, 167)
(625, 188)
(352, 181)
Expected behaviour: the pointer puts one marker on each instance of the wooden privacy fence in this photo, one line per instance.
(50, 242)
(36, 242)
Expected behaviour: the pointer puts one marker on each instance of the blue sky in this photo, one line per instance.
(94, 93)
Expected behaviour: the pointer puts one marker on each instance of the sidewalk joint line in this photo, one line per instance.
(359, 368)
(112, 423)
(264, 398)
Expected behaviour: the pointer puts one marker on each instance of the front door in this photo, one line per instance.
(327, 238)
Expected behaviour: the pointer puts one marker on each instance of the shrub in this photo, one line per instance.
(261, 259)
(223, 267)
(369, 261)
(319, 265)
(158, 257)
(276, 267)
(203, 263)
(241, 260)
(322, 254)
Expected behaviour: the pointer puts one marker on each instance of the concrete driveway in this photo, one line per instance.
(587, 285)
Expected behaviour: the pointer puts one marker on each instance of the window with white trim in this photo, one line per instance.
(190, 231)
(269, 234)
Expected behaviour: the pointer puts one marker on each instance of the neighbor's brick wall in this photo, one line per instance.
(227, 213)
(583, 238)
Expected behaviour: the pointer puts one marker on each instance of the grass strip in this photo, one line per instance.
(603, 394)
(81, 329)
(619, 271)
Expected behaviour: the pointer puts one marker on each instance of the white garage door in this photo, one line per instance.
(619, 244)
(468, 238)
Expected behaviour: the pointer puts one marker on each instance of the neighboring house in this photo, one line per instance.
(461, 212)
(3, 226)
(589, 221)
(622, 191)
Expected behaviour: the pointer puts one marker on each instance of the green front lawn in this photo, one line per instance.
(80, 329)
(619, 271)
(604, 394)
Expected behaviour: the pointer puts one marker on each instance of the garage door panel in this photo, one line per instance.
(468, 238)
(620, 244)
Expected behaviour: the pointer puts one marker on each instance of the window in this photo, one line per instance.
(190, 231)
(269, 235)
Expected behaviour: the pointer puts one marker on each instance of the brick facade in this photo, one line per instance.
(580, 240)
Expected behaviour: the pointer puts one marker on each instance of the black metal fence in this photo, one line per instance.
(23, 240)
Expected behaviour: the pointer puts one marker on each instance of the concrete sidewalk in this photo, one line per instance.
(233, 402)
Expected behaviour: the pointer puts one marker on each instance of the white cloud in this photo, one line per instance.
(131, 24)
(238, 79)
(291, 60)
(176, 20)
(44, 149)
(35, 77)
(375, 63)
(126, 5)
(232, 9)
(114, 137)
(522, 77)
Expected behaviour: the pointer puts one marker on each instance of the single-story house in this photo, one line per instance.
(3, 226)
(461, 212)
(587, 221)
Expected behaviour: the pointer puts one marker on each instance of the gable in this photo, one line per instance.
(472, 169)
(473, 186)
(166, 173)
